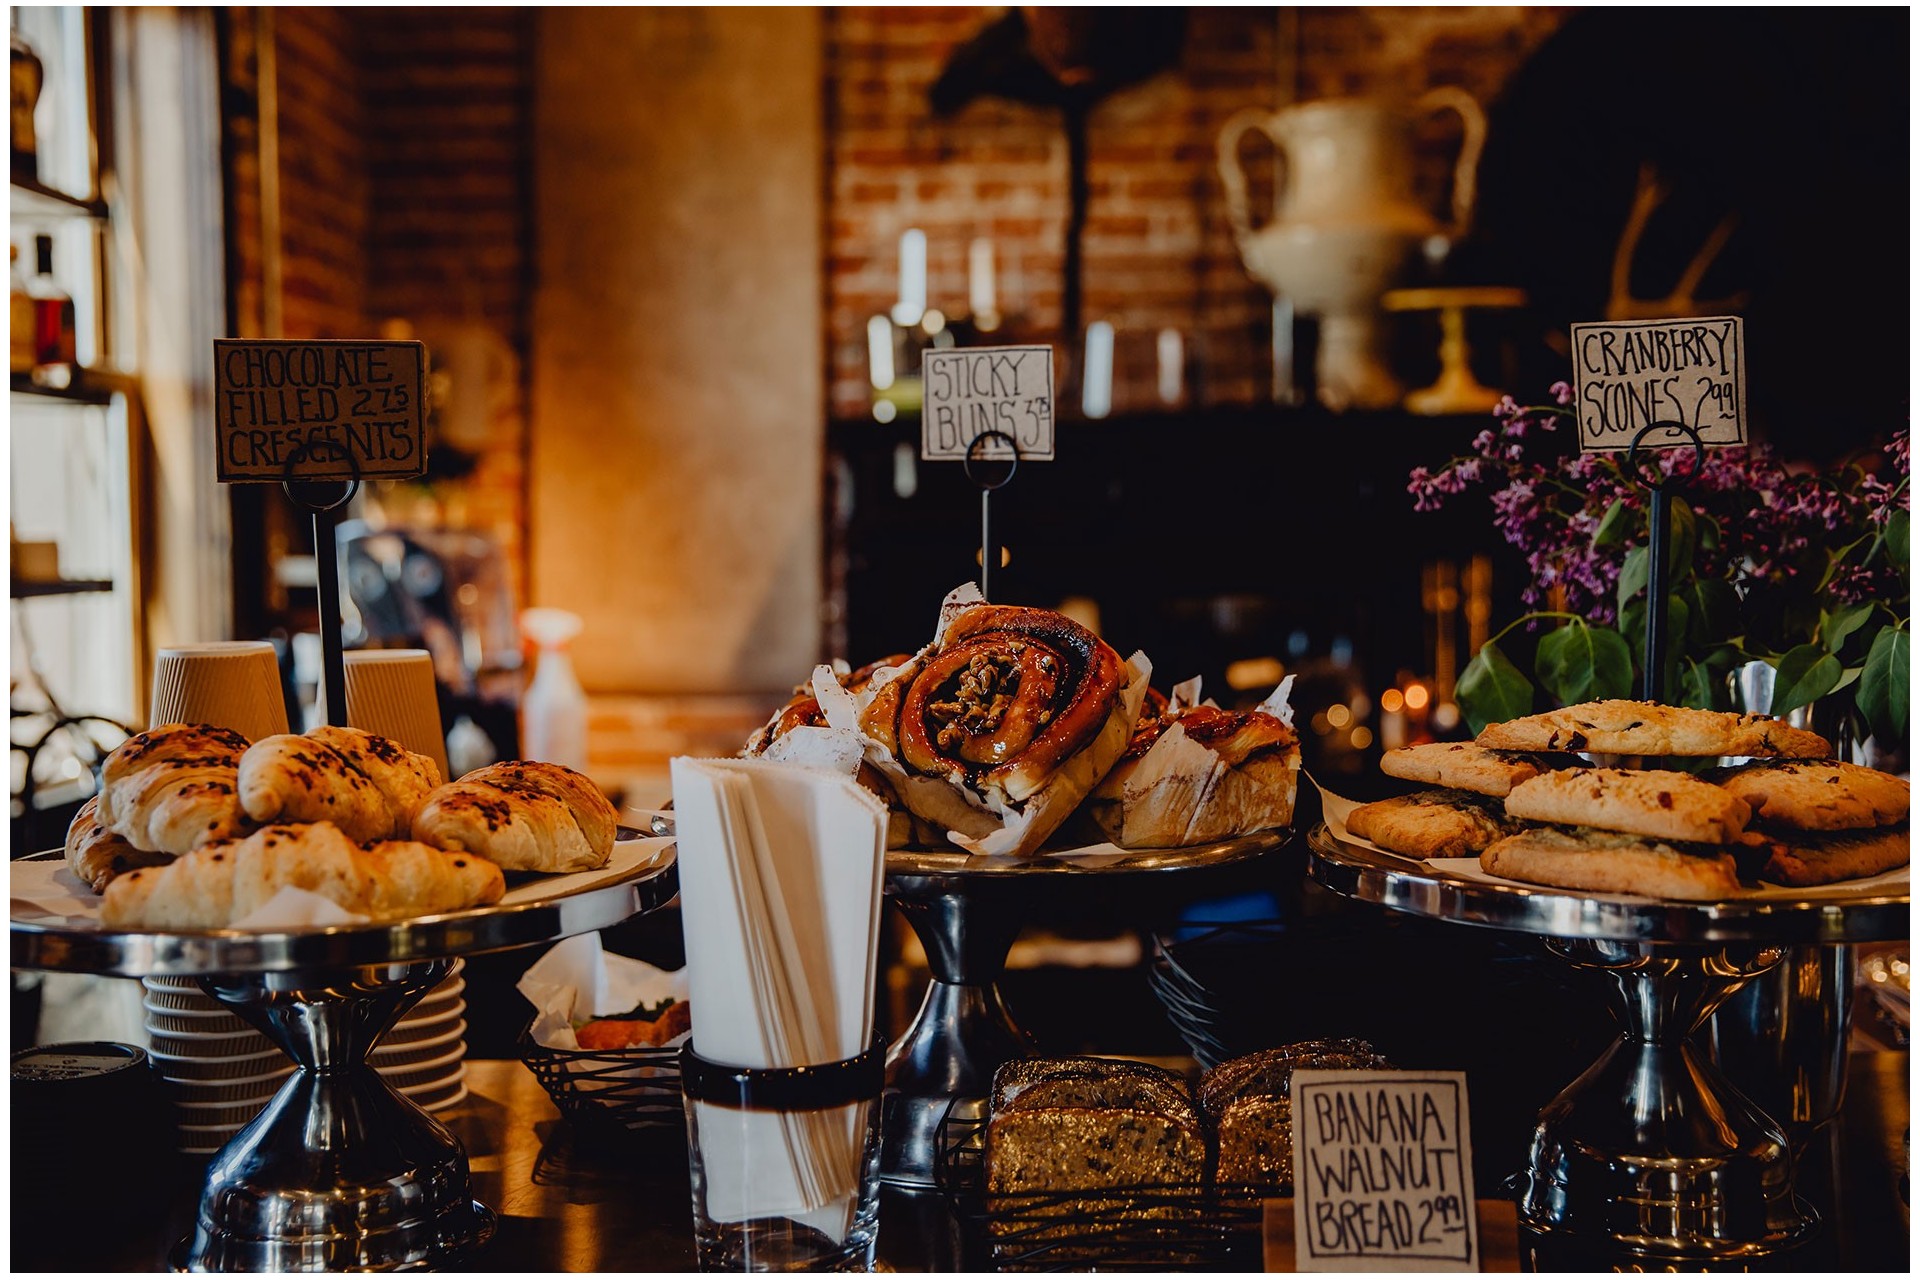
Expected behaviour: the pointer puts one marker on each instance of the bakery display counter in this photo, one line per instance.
(567, 1202)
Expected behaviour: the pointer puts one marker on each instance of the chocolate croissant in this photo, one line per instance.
(97, 855)
(368, 786)
(223, 883)
(174, 788)
(524, 815)
(997, 730)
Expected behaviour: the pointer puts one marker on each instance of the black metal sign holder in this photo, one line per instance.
(321, 498)
(978, 451)
(1659, 515)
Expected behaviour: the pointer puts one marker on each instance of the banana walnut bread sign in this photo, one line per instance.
(1383, 1172)
(1634, 373)
(320, 410)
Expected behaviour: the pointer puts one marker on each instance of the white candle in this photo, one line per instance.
(913, 277)
(1096, 383)
(981, 299)
(880, 352)
(1172, 364)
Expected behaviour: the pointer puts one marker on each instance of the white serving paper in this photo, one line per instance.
(47, 892)
(780, 891)
(578, 979)
(1335, 808)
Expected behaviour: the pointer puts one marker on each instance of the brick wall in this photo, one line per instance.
(1158, 251)
(448, 99)
(403, 145)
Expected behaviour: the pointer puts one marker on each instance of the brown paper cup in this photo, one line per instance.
(391, 692)
(234, 684)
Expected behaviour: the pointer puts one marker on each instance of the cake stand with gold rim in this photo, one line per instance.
(339, 1172)
(1652, 1157)
(966, 911)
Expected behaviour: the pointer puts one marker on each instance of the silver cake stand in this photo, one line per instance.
(1652, 1155)
(339, 1172)
(967, 910)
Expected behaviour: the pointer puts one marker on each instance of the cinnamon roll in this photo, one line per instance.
(803, 709)
(1198, 774)
(998, 730)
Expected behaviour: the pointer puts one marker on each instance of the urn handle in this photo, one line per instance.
(1473, 122)
(1232, 176)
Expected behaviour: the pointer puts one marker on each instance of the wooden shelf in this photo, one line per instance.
(86, 388)
(65, 587)
(30, 199)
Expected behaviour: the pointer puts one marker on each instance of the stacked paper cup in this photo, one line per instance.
(231, 683)
(424, 1057)
(220, 1071)
(391, 692)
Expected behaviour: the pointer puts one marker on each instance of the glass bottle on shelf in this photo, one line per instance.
(53, 324)
(23, 348)
(25, 77)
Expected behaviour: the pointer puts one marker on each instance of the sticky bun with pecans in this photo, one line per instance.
(998, 730)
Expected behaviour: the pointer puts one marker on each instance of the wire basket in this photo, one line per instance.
(1139, 1228)
(637, 1090)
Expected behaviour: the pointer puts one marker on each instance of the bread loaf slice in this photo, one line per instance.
(1248, 1102)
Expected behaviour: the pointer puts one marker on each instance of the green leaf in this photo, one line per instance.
(1579, 663)
(1713, 610)
(1613, 526)
(1897, 538)
(1492, 689)
(1836, 627)
(1701, 686)
(1633, 576)
(1682, 540)
(1882, 696)
(1805, 672)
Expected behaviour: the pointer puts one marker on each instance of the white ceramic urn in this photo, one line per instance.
(1346, 221)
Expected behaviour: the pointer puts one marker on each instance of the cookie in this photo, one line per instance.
(1647, 802)
(1620, 727)
(1433, 824)
(1817, 795)
(1613, 862)
(1803, 858)
(1469, 766)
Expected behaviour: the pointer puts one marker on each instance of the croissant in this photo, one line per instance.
(524, 815)
(997, 730)
(97, 855)
(368, 786)
(174, 788)
(215, 886)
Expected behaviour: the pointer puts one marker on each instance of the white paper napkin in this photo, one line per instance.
(780, 890)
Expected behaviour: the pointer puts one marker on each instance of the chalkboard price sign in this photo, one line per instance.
(1383, 1172)
(1631, 374)
(969, 391)
(319, 410)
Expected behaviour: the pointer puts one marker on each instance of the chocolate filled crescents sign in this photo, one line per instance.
(319, 410)
(1630, 374)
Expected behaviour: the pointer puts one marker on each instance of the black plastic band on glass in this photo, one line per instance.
(814, 1088)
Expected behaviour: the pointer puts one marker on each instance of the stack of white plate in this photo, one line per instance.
(424, 1057)
(222, 1071)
